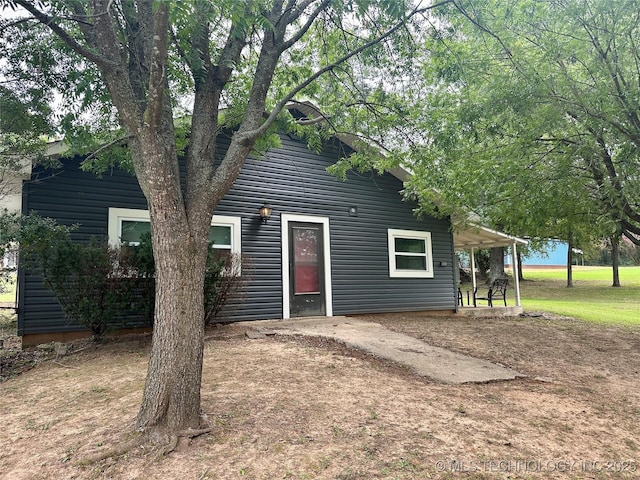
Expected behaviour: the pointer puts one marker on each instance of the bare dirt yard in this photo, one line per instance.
(303, 408)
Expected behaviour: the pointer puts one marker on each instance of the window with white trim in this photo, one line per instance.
(410, 254)
(127, 225)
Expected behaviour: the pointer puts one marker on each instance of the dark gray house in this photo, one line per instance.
(329, 248)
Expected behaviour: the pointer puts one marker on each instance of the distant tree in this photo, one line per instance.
(496, 267)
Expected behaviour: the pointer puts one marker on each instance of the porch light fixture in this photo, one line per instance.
(265, 213)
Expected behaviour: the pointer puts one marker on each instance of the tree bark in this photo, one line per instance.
(615, 260)
(482, 262)
(171, 399)
(171, 396)
(519, 260)
(496, 263)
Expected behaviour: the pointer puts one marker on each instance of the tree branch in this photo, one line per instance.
(481, 27)
(104, 147)
(49, 22)
(312, 18)
(633, 232)
(619, 83)
(158, 70)
(282, 103)
(229, 55)
(6, 25)
(291, 6)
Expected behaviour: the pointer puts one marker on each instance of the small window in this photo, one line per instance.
(131, 231)
(126, 227)
(220, 237)
(410, 254)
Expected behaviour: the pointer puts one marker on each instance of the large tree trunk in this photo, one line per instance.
(482, 258)
(172, 391)
(615, 260)
(179, 233)
(496, 263)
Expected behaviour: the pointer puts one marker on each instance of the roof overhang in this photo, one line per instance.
(475, 236)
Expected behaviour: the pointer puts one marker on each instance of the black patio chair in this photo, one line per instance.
(497, 289)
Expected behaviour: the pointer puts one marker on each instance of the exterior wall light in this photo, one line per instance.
(265, 213)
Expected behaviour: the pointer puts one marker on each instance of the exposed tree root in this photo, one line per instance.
(164, 448)
(189, 433)
(116, 451)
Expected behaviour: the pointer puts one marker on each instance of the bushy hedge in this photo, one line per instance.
(86, 279)
(96, 284)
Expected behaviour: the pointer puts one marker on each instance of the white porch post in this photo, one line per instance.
(516, 279)
(472, 259)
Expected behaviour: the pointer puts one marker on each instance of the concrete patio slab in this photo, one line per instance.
(426, 360)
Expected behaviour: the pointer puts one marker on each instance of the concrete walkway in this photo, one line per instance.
(426, 360)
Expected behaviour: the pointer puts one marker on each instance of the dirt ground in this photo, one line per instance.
(301, 408)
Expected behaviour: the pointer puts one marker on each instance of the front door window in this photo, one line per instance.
(305, 257)
(306, 269)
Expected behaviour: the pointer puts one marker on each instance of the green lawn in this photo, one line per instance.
(591, 298)
(10, 294)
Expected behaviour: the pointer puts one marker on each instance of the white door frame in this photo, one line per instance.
(285, 218)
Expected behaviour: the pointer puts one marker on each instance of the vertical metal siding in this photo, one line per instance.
(293, 180)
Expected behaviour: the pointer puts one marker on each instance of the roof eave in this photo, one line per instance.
(477, 236)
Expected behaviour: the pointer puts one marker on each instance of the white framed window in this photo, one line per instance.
(225, 233)
(127, 225)
(410, 254)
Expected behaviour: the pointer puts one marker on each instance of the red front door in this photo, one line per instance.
(306, 269)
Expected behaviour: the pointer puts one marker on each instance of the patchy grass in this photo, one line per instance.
(7, 316)
(8, 291)
(602, 276)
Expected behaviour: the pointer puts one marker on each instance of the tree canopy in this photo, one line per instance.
(533, 119)
(23, 127)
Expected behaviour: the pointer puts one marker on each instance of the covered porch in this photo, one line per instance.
(473, 237)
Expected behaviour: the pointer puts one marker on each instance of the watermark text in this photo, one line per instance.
(532, 466)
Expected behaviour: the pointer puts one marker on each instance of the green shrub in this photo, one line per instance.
(96, 284)
(223, 283)
(9, 226)
(85, 278)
